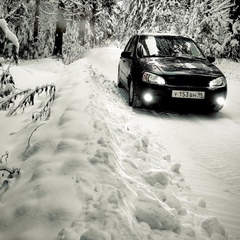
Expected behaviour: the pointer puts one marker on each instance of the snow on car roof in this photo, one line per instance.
(158, 34)
(162, 34)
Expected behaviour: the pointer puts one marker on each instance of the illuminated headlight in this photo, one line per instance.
(153, 79)
(220, 101)
(148, 97)
(218, 82)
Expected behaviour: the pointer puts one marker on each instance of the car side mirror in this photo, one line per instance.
(126, 55)
(211, 59)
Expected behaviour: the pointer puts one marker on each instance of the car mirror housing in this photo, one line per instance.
(211, 59)
(126, 55)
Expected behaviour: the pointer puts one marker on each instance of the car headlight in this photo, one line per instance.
(153, 79)
(218, 82)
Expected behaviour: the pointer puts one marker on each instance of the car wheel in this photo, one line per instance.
(119, 84)
(134, 100)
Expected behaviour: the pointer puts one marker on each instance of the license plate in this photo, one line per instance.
(188, 94)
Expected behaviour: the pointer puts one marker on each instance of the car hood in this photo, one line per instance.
(180, 66)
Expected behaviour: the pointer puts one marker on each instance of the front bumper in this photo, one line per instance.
(163, 95)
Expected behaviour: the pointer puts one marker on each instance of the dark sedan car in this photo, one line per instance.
(169, 69)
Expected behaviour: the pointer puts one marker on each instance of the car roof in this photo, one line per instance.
(157, 34)
(162, 34)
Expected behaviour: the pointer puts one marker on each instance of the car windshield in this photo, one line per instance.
(167, 46)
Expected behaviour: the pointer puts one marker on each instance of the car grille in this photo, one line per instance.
(189, 81)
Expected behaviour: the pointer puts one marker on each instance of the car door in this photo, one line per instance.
(126, 62)
(122, 62)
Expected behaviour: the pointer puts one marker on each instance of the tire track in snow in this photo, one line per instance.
(204, 145)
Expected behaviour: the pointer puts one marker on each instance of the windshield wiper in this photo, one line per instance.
(200, 58)
(157, 55)
(188, 56)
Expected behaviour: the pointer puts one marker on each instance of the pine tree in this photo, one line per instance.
(209, 23)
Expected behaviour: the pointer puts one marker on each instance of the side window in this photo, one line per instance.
(133, 45)
(128, 45)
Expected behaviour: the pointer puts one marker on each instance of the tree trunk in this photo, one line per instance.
(82, 26)
(60, 30)
(93, 21)
(236, 10)
(36, 21)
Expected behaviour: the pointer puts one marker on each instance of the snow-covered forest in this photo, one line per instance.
(76, 162)
(214, 24)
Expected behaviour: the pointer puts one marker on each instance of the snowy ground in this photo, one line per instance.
(99, 170)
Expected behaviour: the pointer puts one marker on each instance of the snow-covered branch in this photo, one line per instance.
(7, 102)
(29, 99)
(46, 109)
(9, 35)
(29, 139)
(11, 171)
(14, 10)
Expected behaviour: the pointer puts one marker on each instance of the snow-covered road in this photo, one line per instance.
(207, 146)
(208, 149)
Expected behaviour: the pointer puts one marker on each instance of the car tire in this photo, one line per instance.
(134, 100)
(119, 84)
